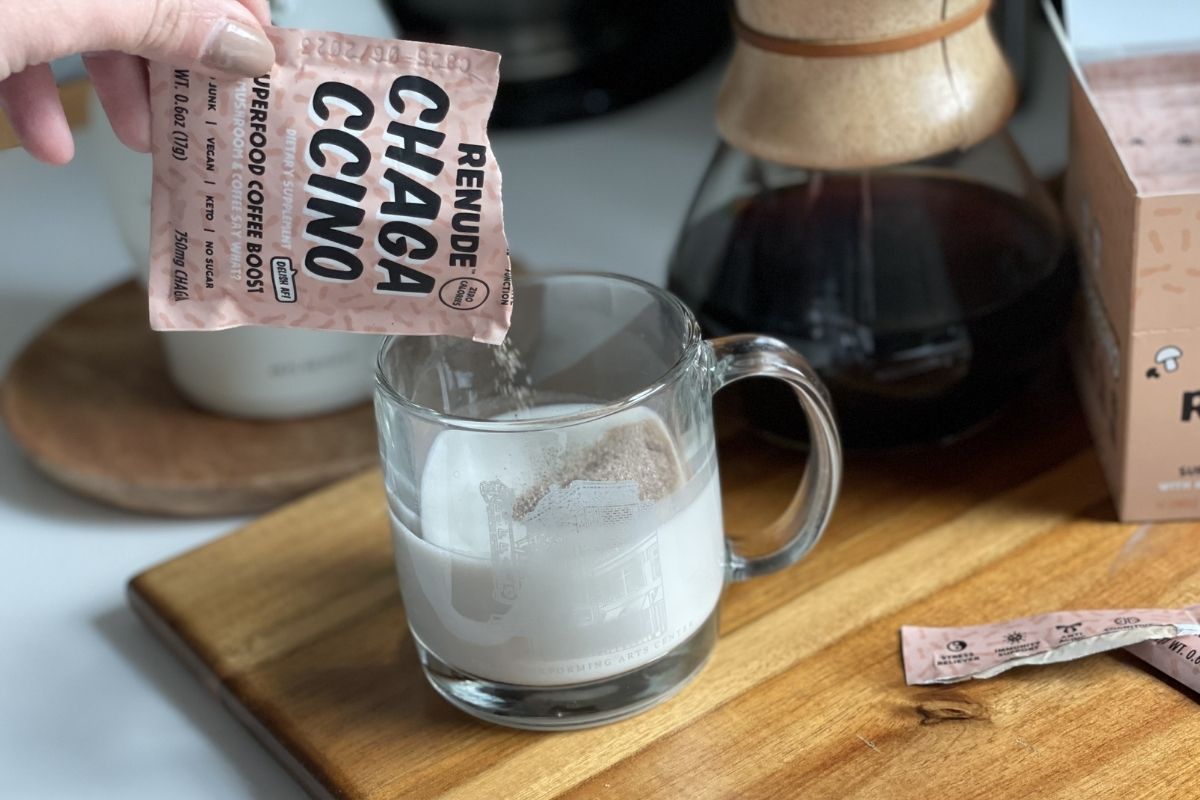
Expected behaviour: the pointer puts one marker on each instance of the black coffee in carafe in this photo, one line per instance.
(923, 299)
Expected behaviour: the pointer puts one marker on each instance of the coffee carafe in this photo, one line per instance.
(867, 206)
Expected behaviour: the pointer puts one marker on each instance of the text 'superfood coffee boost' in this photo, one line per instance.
(353, 188)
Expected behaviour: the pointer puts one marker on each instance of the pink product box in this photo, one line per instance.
(1132, 197)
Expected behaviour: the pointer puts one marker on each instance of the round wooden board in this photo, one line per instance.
(90, 402)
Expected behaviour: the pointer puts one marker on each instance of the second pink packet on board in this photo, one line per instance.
(950, 655)
(353, 188)
(1178, 657)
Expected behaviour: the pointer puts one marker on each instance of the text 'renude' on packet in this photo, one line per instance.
(352, 188)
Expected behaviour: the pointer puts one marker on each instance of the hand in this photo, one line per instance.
(116, 37)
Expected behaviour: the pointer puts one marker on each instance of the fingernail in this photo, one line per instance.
(234, 47)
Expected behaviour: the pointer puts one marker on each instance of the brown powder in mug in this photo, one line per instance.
(639, 452)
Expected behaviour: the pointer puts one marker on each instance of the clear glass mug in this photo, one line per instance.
(555, 503)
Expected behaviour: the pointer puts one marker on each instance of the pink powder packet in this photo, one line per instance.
(1177, 657)
(950, 655)
(353, 188)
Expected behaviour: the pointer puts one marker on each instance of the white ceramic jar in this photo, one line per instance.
(264, 373)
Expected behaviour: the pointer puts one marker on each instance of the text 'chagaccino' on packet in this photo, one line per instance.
(352, 188)
(950, 655)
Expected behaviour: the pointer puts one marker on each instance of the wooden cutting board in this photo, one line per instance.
(90, 402)
(295, 623)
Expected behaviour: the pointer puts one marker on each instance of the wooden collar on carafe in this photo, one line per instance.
(815, 48)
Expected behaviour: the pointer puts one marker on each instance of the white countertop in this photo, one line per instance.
(90, 704)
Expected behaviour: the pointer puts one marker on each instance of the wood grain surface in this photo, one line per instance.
(90, 402)
(296, 624)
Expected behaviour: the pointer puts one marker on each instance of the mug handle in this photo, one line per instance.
(754, 356)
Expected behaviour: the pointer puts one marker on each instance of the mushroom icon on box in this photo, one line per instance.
(1168, 358)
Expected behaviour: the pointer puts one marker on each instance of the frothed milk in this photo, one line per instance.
(515, 571)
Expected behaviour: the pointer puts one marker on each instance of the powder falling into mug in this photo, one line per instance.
(513, 380)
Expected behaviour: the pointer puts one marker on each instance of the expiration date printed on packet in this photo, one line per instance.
(352, 188)
(950, 655)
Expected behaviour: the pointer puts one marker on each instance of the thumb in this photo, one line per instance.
(215, 35)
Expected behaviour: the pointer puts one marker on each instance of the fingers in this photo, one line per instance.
(220, 36)
(30, 99)
(122, 85)
(261, 9)
(215, 35)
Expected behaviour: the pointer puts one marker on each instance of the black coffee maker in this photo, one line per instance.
(563, 59)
